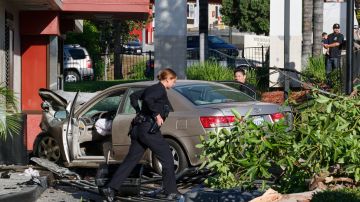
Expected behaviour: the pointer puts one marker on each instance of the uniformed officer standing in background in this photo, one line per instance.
(155, 106)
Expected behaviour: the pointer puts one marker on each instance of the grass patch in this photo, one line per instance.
(93, 86)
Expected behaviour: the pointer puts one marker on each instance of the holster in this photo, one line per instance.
(140, 118)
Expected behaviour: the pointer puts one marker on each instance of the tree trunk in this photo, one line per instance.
(318, 26)
(117, 51)
(307, 31)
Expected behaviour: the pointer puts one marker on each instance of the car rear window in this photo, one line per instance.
(216, 40)
(203, 94)
(77, 54)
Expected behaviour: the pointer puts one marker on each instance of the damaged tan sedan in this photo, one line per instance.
(95, 130)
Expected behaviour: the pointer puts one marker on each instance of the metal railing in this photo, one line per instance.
(259, 56)
(193, 57)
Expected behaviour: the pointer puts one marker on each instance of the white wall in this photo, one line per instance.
(277, 36)
(212, 19)
(335, 13)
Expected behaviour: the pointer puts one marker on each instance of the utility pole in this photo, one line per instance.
(286, 46)
(203, 29)
(349, 45)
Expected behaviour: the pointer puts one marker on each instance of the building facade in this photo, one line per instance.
(31, 40)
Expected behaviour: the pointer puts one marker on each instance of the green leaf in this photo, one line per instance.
(221, 143)
(212, 164)
(236, 113)
(357, 174)
(243, 162)
(322, 99)
(199, 146)
(328, 108)
(248, 113)
(267, 144)
(203, 165)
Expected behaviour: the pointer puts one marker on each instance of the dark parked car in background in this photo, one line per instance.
(215, 43)
(133, 47)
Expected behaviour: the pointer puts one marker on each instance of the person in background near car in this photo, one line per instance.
(240, 76)
(155, 107)
(334, 46)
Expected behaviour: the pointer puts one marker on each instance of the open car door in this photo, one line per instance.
(121, 125)
(69, 128)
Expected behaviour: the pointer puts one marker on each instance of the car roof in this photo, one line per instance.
(179, 82)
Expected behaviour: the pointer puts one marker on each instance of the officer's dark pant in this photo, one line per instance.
(140, 141)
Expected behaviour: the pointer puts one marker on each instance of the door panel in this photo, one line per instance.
(120, 128)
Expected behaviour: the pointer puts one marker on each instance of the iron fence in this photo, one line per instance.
(132, 66)
(257, 56)
(223, 59)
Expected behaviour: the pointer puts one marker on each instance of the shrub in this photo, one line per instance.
(10, 120)
(316, 69)
(138, 71)
(325, 135)
(341, 195)
(209, 71)
(99, 69)
(246, 153)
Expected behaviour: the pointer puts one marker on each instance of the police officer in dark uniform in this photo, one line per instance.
(145, 134)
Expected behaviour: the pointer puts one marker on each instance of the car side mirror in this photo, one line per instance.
(61, 114)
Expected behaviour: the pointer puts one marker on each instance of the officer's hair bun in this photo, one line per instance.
(166, 73)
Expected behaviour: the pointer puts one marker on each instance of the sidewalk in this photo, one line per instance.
(16, 186)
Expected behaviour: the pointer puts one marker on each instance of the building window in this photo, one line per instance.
(217, 11)
(190, 10)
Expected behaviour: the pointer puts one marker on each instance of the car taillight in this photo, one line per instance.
(88, 64)
(216, 121)
(277, 116)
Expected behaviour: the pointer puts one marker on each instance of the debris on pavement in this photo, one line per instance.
(31, 172)
(56, 169)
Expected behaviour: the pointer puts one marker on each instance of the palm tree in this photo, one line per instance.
(307, 30)
(318, 13)
(9, 116)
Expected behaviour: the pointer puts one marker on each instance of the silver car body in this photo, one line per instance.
(75, 127)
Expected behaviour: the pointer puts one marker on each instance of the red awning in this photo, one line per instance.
(114, 9)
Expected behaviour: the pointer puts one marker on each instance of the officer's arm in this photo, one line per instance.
(134, 100)
(333, 45)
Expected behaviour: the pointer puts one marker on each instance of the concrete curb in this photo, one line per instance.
(29, 194)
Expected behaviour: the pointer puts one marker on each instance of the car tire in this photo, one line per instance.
(72, 76)
(47, 147)
(180, 160)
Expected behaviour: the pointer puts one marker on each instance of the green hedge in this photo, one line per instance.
(209, 71)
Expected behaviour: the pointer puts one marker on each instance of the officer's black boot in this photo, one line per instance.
(174, 196)
(109, 193)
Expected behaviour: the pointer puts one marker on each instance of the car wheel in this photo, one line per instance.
(72, 76)
(180, 160)
(48, 148)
